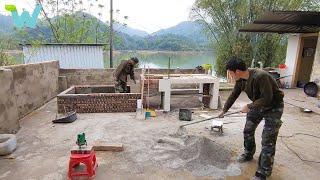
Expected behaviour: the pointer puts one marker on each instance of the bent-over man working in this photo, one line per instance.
(267, 104)
(125, 68)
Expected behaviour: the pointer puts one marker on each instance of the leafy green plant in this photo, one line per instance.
(222, 20)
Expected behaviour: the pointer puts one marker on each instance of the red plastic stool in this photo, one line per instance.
(88, 158)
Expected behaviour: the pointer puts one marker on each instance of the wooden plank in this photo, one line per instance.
(105, 146)
(310, 35)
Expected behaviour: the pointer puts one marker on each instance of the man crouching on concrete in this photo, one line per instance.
(125, 68)
(267, 104)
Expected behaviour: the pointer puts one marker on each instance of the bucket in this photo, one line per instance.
(185, 115)
(148, 114)
(311, 89)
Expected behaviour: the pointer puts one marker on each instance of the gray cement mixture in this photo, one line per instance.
(179, 151)
(180, 132)
(197, 154)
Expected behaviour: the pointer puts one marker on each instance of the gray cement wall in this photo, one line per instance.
(27, 88)
(9, 121)
(71, 77)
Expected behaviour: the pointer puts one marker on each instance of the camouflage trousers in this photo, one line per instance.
(121, 86)
(270, 132)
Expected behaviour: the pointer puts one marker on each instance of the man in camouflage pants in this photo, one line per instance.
(267, 104)
(125, 68)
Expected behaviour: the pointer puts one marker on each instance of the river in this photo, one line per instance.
(160, 59)
(152, 59)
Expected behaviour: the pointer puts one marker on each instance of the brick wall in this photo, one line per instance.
(96, 101)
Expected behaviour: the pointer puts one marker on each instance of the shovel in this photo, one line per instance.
(228, 114)
(182, 129)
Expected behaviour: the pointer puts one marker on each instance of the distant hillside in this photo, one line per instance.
(189, 29)
(167, 42)
(130, 31)
(43, 32)
(182, 37)
(6, 24)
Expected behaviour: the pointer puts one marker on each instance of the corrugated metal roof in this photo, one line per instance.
(279, 28)
(69, 56)
(286, 22)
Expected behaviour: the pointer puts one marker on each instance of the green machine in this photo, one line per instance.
(81, 140)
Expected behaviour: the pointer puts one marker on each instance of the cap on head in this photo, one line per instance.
(235, 63)
(135, 59)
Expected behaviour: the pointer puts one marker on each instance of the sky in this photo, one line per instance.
(147, 15)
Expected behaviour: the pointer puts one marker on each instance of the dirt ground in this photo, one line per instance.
(151, 153)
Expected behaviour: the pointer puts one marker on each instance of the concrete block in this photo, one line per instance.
(164, 85)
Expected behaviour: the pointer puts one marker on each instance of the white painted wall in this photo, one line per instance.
(292, 53)
(69, 56)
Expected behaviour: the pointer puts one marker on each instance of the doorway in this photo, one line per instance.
(305, 60)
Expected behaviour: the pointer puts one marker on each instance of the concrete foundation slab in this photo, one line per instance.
(44, 148)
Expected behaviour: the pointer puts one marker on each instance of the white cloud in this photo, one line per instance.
(148, 15)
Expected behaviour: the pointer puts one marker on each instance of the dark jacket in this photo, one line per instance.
(261, 89)
(123, 70)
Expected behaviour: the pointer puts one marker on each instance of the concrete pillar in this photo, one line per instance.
(165, 86)
(214, 93)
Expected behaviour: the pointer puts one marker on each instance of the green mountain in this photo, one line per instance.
(128, 30)
(182, 37)
(6, 24)
(193, 30)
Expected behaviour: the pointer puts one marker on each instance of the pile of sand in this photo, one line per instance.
(197, 154)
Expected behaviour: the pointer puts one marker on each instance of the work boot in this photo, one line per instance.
(259, 176)
(244, 158)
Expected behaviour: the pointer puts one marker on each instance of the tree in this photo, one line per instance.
(69, 24)
(7, 42)
(223, 18)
